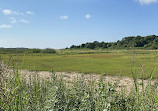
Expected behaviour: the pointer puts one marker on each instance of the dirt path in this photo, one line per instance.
(123, 82)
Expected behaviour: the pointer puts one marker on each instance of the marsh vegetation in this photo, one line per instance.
(21, 93)
(100, 90)
(108, 62)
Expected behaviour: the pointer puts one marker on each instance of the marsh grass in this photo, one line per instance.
(36, 94)
(109, 62)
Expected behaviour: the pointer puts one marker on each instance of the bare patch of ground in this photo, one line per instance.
(122, 82)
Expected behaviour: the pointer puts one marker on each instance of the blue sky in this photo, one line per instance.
(62, 23)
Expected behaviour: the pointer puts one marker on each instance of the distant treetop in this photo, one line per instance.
(147, 42)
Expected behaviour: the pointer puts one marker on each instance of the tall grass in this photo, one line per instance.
(18, 93)
(33, 93)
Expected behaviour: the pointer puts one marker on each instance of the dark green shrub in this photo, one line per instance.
(49, 50)
(36, 50)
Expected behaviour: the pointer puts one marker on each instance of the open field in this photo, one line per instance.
(29, 91)
(108, 62)
(23, 90)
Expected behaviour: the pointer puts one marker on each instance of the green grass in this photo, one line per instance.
(36, 94)
(110, 62)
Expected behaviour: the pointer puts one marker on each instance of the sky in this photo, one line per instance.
(61, 23)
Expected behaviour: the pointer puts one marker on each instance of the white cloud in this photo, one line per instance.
(64, 17)
(87, 16)
(14, 20)
(5, 26)
(24, 21)
(7, 11)
(143, 2)
(11, 12)
(29, 13)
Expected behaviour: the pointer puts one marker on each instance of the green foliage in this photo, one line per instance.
(48, 50)
(148, 42)
(36, 50)
(18, 93)
(13, 50)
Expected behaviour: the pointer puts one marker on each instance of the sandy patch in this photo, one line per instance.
(122, 82)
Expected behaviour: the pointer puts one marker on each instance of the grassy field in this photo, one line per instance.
(108, 62)
(32, 93)
(20, 92)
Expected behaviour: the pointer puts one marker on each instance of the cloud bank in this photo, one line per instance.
(15, 17)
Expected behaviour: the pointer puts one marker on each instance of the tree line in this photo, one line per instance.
(25, 50)
(147, 42)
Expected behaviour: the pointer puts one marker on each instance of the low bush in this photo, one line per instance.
(49, 50)
(36, 50)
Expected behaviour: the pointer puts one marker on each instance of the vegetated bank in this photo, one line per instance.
(147, 42)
